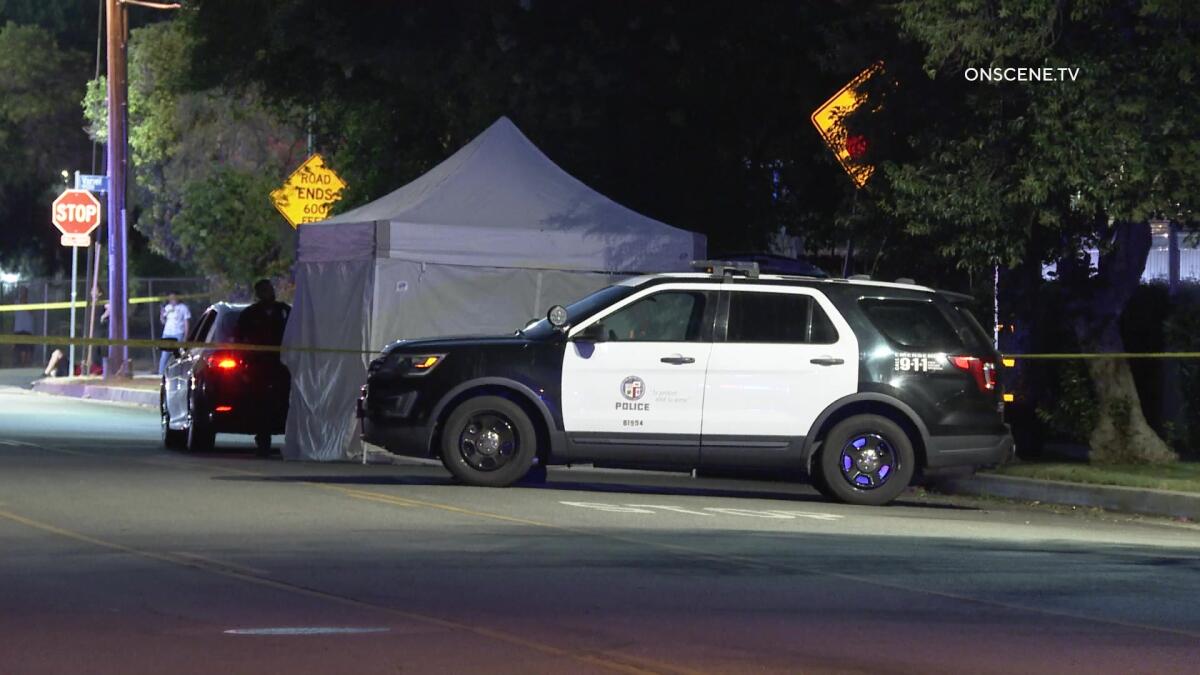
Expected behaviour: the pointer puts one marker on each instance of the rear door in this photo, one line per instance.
(633, 376)
(786, 355)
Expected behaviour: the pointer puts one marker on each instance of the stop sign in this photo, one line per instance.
(76, 212)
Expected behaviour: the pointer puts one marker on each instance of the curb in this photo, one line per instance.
(98, 392)
(1167, 503)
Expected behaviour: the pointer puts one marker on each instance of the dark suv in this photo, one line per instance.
(858, 382)
(213, 389)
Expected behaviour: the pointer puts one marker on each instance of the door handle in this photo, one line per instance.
(677, 360)
(827, 361)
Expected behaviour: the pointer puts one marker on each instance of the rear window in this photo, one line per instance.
(226, 328)
(977, 333)
(916, 325)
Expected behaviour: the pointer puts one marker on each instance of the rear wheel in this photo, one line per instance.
(171, 438)
(200, 434)
(817, 480)
(489, 441)
(866, 459)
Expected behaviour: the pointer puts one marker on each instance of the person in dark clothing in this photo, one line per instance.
(262, 323)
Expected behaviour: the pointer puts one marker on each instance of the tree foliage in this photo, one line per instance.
(186, 144)
(39, 137)
(694, 112)
(230, 230)
(1020, 173)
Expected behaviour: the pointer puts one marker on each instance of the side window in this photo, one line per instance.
(668, 316)
(912, 324)
(200, 330)
(778, 318)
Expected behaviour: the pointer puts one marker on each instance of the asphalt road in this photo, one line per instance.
(117, 556)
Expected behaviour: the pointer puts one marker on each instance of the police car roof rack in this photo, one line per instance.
(727, 268)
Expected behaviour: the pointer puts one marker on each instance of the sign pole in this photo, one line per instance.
(74, 284)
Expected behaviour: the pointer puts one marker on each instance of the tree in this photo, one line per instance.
(230, 230)
(1016, 173)
(39, 137)
(186, 146)
(692, 111)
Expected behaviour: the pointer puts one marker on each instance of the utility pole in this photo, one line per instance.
(116, 365)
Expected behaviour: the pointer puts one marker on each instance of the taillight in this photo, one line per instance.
(984, 372)
(223, 361)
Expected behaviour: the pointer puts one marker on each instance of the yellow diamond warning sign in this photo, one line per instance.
(309, 193)
(830, 122)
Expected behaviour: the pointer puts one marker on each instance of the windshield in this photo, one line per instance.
(581, 309)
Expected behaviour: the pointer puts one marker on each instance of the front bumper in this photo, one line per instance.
(388, 423)
(981, 450)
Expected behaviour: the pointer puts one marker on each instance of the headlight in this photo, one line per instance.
(414, 365)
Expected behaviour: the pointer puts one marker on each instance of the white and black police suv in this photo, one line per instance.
(860, 383)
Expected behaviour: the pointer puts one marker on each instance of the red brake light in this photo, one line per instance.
(223, 361)
(984, 372)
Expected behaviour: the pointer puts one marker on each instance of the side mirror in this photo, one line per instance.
(593, 333)
(557, 316)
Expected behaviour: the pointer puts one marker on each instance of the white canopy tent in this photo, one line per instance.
(484, 241)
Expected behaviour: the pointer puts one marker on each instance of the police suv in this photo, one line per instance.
(860, 383)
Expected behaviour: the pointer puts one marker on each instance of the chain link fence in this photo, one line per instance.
(143, 319)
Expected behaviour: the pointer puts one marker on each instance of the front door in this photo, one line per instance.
(178, 372)
(787, 355)
(633, 377)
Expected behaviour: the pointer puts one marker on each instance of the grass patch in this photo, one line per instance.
(1181, 476)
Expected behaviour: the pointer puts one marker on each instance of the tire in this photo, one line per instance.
(817, 480)
(854, 456)
(171, 438)
(488, 441)
(200, 435)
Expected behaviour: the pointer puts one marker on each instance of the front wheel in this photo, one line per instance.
(867, 460)
(489, 441)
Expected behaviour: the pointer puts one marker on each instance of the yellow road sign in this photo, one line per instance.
(829, 121)
(309, 193)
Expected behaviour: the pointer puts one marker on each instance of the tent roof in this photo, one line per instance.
(500, 179)
(500, 190)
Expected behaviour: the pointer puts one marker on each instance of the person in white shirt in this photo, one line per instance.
(176, 320)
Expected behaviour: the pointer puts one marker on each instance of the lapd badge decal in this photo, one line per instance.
(633, 388)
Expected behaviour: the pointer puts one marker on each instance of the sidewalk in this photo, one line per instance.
(141, 390)
(1167, 503)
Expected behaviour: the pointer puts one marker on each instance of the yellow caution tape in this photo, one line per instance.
(173, 344)
(59, 341)
(1112, 355)
(79, 304)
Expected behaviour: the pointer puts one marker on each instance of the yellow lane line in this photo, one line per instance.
(223, 569)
